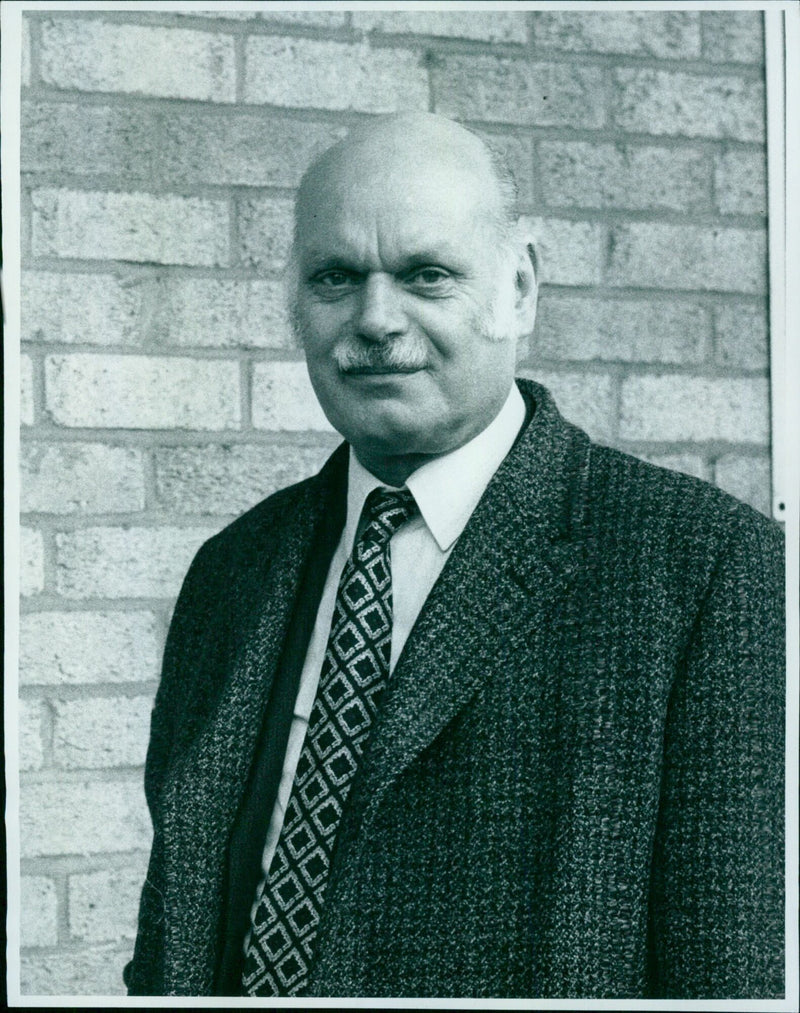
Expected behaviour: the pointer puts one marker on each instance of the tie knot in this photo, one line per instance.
(386, 510)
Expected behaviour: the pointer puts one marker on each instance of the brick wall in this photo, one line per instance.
(163, 393)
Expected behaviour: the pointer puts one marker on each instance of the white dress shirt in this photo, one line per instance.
(446, 491)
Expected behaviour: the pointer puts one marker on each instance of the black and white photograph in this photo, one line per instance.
(401, 460)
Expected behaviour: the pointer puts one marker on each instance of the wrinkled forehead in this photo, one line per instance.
(395, 199)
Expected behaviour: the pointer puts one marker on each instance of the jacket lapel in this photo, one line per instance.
(206, 789)
(520, 550)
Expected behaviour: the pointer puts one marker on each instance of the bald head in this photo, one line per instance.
(408, 146)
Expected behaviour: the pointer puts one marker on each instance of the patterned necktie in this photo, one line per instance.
(285, 916)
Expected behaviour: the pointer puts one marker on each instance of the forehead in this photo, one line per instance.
(393, 206)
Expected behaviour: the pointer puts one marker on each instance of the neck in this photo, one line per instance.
(394, 469)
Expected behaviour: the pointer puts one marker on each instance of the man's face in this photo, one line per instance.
(404, 305)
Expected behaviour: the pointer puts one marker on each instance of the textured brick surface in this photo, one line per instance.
(742, 336)
(38, 911)
(101, 733)
(26, 406)
(311, 19)
(138, 227)
(283, 398)
(622, 176)
(31, 747)
(136, 392)
(265, 231)
(208, 313)
(333, 75)
(176, 146)
(663, 102)
(587, 399)
(569, 252)
(96, 971)
(106, 562)
(88, 477)
(102, 309)
(31, 561)
(694, 408)
(491, 26)
(515, 91)
(83, 818)
(638, 33)
(84, 648)
(103, 905)
(747, 478)
(229, 479)
(176, 63)
(637, 331)
(686, 256)
(736, 36)
(740, 182)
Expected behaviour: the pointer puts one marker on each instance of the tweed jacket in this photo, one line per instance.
(574, 784)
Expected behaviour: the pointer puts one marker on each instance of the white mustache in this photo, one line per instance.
(395, 355)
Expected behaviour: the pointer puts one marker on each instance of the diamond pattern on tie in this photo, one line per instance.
(279, 948)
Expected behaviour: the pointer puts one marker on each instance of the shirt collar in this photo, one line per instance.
(446, 489)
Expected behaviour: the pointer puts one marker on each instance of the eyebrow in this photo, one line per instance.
(317, 261)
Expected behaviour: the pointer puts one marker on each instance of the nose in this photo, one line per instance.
(380, 314)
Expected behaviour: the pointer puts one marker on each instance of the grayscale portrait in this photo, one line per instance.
(402, 582)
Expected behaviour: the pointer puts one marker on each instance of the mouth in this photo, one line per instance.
(382, 370)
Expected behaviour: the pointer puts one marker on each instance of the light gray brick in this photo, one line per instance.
(688, 464)
(87, 648)
(740, 182)
(139, 227)
(569, 252)
(83, 818)
(309, 19)
(517, 91)
(103, 905)
(265, 231)
(333, 75)
(654, 255)
(95, 55)
(141, 392)
(736, 36)
(746, 478)
(229, 479)
(636, 331)
(491, 26)
(283, 398)
(25, 56)
(587, 399)
(26, 414)
(742, 336)
(695, 408)
(79, 308)
(665, 34)
(216, 313)
(90, 477)
(31, 746)
(623, 176)
(663, 102)
(38, 908)
(101, 732)
(31, 562)
(107, 562)
(178, 147)
(95, 971)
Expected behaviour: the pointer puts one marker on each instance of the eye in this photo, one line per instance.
(428, 277)
(334, 279)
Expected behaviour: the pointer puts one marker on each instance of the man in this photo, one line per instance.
(511, 725)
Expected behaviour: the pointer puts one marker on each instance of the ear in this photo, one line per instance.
(526, 286)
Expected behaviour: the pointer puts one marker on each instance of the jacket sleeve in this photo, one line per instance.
(191, 615)
(717, 897)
